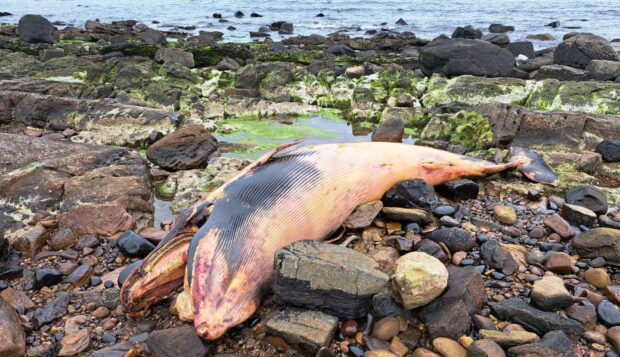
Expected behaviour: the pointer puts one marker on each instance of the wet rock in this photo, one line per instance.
(411, 193)
(578, 215)
(447, 347)
(456, 239)
(601, 70)
(80, 276)
(579, 50)
(331, 278)
(549, 294)
(537, 321)
(35, 29)
(467, 32)
(609, 149)
(450, 314)
(433, 249)
(559, 263)
(174, 56)
(589, 197)
(505, 214)
(608, 313)
(133, 245)
(453, 57)
(499, 39)
(364, 215)
(459, 190)
(307, 330)
(598, 242)
(406, 214)
(17, 299)
(391, 130)
(559, 226)
(186, 148)
(52, 310)
(12, 335)
(525, 48)
(499, 28)
(554, 343)
(178, 341)
(386, 328)
(46, 277)
(63, 239)
(597, 277)
(418, 279)
(509, 338)
(498, 257)
(485, 348)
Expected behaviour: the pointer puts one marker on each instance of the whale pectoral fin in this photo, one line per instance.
(263, 159)
(533, 166)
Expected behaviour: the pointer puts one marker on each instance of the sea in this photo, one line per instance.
(426, 18)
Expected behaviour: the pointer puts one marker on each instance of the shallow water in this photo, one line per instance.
(425, 18)
(263, 135)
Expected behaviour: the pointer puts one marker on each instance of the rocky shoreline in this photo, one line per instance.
(95, 122)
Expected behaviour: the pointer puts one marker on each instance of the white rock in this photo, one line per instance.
(418, 279)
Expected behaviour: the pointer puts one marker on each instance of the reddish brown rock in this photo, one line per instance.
(559, 226)
(12, 335)
(105, 219)
(186, 148)
(559, 263)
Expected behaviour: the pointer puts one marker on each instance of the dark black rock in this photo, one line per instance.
(608, 313)
(499, 28)
(51, 311)
(431, 248)
(35, 29)
(95, 280)
(133, 245)
(108, 338)
(453, 57)
(383, 305)
(108, 284)
(525, 48)
(498, 258)
(4, 13)
(554, 343)
(401, 22)
(458, 190)
(467, 32)
(177, 341)
(554, 24)
(125, 272)
(340, 50)
(255, 15)
(320, 14)
(46, 277)
(450, 315)
(454, 238)
(239, 14)
(589, 197)
(410, 193)
(87, 241)
(10, 264)
(535, 320)
(579, 50)
(217, 15)
(609, 150)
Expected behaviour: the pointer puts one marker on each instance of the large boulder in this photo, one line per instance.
(579, 50)
(454, 57)
(337, 280)
(35, 29)
(186, 148)
(598, 242)
(12, 335)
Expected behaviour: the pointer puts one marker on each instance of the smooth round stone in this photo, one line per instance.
(598, 277)
(349, 328)
(146, 325)
(3, 285)
(537, 233)
(598, 262)
(505, 214)
(414, 227)
(448, 347)
(497, 275)
(95, 280)
(108, 338)
(483, 323)
(356, 350)
(608, 313)
(386, 328)
(441, 211)
(108, 284)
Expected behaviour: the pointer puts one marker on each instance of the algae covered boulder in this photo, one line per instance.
(454, 57)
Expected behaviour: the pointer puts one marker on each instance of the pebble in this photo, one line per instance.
(108, 338)
(386, 328)
(608, 313)
(559, 226)
(459, 190)
(95, 280)
(505, 214)
(597, 277)
(613, 336)
(46, 277)
(131, 244)
(598, 262)
(456, 239)
(509, 338)
(349, 328)
(441, 211)
(485, 348)
(559, 263)
(448, 348)
(549, 294)
(483, 322)
(101, 312)
(418, 279)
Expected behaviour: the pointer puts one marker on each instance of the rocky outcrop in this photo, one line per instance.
(465, 56)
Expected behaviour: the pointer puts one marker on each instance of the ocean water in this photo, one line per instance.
(426, 18)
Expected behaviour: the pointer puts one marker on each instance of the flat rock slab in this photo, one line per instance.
(186, 148)
(537, 321)
(51, 311)
(328, 277)
(12, 335)
(304, 329)
(178, 341)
